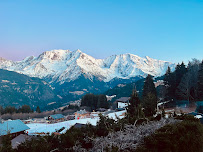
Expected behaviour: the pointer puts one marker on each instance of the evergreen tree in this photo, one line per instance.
(1, 110)
(10, 109)
(183, 90)
(102, 101)
(38, 109)
(149, 87)
(170, 81)
(25, 109)
(95, 101)
(187, 88)
(134, 109)
(193, 68)
(149, 99)
(133, 103)
(167, 77)
(200, 82)
(149, 104)
(134, 99)
(180, 72)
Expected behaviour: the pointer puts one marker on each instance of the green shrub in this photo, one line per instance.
(186, 136)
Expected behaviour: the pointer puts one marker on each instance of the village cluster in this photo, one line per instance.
(57, 124)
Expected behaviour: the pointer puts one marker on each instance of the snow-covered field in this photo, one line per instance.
(40, 128)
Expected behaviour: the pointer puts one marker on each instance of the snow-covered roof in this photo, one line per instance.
(123, 99)
(12, 126)
(57, 116)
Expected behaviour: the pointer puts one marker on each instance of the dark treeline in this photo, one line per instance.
(186, 82)
(23, 109)
(95, 101)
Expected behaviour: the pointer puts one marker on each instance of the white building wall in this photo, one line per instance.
(122, 105)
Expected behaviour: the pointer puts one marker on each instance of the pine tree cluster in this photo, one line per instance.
(185, 83)
(95, 101)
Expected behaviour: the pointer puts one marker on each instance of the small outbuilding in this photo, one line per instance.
(56, 117)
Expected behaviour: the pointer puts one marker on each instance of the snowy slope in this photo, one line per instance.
(65, 66)
(51, 128)
(5, 63)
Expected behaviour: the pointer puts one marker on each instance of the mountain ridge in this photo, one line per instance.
(64, 66)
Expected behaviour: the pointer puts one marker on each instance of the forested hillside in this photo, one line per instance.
(18, 89)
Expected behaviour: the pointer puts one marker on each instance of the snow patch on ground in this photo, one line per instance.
(50, 128)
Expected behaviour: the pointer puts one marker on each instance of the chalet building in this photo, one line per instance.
(56, 117)
(82, 114)
(14, 127)
(122, 102)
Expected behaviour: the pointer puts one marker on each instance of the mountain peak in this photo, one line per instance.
(54, 54)
(2, 59)
(64, 65)
(77, 52)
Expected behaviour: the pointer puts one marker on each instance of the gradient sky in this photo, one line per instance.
(170, 30)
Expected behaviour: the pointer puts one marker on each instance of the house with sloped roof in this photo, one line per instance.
(14, 127)
(56, 117)
(123, 102)
(82, 114)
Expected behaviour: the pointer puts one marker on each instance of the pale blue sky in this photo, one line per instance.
(169, 30)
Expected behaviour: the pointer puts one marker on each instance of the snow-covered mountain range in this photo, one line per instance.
(64, 66)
